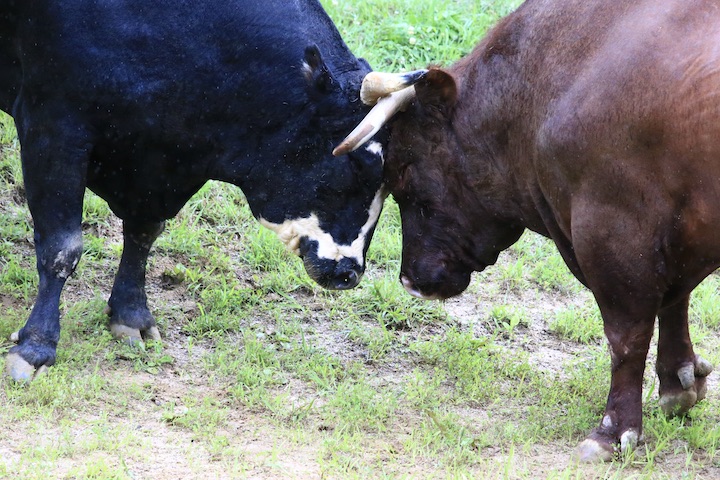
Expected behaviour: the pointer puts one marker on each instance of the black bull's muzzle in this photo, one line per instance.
(341, 274)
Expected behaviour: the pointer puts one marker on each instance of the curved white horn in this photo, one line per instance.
(383, 110)
(376, 85)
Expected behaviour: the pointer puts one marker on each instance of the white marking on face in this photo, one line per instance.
(377, 149)
(291, 231)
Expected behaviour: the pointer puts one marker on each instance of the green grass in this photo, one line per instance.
(406, 34)
(263, 374)
(581, 324)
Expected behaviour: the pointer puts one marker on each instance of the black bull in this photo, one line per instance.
(144, 101)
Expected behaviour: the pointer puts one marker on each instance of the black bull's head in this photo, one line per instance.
(333, 230)
(324, 204)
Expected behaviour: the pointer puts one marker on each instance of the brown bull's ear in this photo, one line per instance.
(437, 91)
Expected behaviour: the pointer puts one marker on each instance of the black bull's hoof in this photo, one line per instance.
(21, 371)
(134, 336)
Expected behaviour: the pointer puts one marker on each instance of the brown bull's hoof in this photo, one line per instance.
(133, 336)
(678, 404)
(694, 387)
(593, 451)
(599, 447)
(703, 368)
(21, 371)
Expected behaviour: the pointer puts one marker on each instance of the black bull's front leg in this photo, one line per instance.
(58, 254)
(54, 156)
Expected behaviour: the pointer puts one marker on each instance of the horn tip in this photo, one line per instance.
(341, 149)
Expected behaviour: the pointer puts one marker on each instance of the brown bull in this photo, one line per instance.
(595, 123)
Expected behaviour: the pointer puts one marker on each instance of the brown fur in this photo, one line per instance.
(597, 124)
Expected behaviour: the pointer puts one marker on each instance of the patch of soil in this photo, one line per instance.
(258, 444)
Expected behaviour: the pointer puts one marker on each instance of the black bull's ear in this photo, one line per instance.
(316, 71)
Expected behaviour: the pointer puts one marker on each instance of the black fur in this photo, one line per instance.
(144, 101)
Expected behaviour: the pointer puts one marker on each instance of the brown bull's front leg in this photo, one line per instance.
(621, 426)
(615, 250)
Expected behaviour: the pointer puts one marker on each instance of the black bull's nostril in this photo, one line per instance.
(347, 275)
(346, 280)
(338, 278)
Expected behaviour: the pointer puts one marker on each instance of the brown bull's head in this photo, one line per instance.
(452, 209)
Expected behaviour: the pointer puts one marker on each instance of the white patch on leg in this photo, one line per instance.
(607, 421)
(291, 231)
(629, 440)
(68, 258)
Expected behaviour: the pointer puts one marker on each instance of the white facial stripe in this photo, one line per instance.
(377, 149)
(290, 232)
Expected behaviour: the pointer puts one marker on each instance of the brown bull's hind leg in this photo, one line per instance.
(682, 374)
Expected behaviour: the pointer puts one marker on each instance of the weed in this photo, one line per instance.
(580, 324)
(507, 318)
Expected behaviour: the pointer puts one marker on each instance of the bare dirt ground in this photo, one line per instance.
(141, 441)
